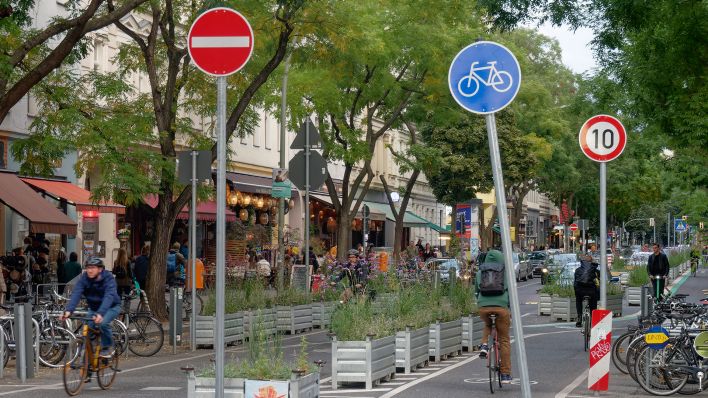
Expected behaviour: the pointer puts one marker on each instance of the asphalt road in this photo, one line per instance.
(557, 365)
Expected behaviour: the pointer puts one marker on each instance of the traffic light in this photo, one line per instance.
(651, 222)
(463, 227)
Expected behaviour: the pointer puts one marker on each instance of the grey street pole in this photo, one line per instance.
(281, 201)
(307, 195)
(506, 246)
(220, 231)
(603, 235)
(193, 253)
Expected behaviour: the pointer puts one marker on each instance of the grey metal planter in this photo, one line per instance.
(368, 361)
(445, 339)
(614, 304)
(322, 313)
(266, 318)
(206, 325)
(294, 319)
(472, 328)
(307, 386)
(563, 308)
(545, 303)
(634, 295)
(412, 348)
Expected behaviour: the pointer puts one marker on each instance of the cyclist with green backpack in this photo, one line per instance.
(493, 298)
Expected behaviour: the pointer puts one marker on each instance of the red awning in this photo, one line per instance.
(43, 217)
(76, 196)
(206, 211)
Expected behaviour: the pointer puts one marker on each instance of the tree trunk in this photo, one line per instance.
(397, 240)
(157, 274)
(344, 235)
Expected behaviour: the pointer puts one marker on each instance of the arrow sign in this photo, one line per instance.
(315, 139)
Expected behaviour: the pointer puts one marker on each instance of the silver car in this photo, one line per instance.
(444, 265)
(521, 267)
(567, 274)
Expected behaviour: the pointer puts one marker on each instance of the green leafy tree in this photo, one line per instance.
(30, 54)
(359, 73)
(130, 137)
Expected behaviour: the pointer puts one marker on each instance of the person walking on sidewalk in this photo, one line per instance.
(493, 298)
(658, 269)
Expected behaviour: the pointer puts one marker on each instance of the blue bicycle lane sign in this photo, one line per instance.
(484, 77)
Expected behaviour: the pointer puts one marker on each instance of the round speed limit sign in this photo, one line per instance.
(602, 138)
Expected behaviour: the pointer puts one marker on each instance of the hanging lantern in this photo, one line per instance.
(263, 218)
(266, 203)
(320, 214)
(354, 223)
(233, 198)
(243, 215)
(331, 225)
(246, 200)
(273, 211)
(291, 204)
(259, 202)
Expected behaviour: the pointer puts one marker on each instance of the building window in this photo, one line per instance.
(3, 153)
(267, 132)
(98, 48)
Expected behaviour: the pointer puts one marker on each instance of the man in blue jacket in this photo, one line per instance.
(99, 289)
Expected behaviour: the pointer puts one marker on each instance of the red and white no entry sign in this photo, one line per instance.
(573, 227)
(602, 138)
(220, 41)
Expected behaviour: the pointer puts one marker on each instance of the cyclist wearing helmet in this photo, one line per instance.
(99, 288)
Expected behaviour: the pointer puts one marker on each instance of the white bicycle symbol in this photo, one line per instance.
(500, 81)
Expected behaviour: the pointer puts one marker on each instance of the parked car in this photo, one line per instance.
(538, 261)
(521, 267)
(444, 265)
(639, 259)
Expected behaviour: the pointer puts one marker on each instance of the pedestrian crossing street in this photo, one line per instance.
(356, 390)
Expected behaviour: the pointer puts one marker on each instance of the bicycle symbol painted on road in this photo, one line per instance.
(501, 81)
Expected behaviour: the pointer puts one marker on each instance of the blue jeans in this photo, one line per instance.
(105, 326)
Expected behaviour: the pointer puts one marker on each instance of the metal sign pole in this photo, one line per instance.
(307, 195)
(220, 231)
(506, 249)
(193, 253)
(603, 235)
(281, 201)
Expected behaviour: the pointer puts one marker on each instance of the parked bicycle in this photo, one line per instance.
(586, 322)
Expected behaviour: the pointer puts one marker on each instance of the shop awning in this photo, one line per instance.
(74, 195)
(43, 217)
(375, 212)
(439, 229)
(251, 184)
(206, 211)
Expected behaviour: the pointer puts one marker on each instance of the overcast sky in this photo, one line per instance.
(577, 54)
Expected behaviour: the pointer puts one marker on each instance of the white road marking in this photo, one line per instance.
(161, 389)
(570, 387)
(354, 391)
(526, 314)
(428, 377)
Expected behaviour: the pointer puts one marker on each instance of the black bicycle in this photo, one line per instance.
(493, 357)
(586, 322)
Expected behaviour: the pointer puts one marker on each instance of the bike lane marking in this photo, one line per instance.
(123, 371)
(404, 387)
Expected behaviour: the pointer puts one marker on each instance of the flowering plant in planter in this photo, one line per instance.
(123, 233)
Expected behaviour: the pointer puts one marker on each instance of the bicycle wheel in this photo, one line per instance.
(120, 336)
(145, 335)
(656, 371)
(586, 330)
(468, 86)
(619, 351)
(492, 363)
(6, 350)
(632, 352)
(76, 368)
(53, 346)
(107, 369)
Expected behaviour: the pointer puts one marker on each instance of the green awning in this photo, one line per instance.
(496, 229)
(409, 219)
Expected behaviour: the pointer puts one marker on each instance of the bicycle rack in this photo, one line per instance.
(21, 367)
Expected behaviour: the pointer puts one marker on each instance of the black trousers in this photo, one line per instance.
(582, 291)
(661, 283)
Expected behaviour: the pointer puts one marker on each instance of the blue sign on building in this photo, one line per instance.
(484, 77)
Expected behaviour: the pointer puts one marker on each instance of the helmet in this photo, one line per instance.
(95, 262)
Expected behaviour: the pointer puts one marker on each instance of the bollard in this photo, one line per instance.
(175, 317)
(23, 348)
(643, 310)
